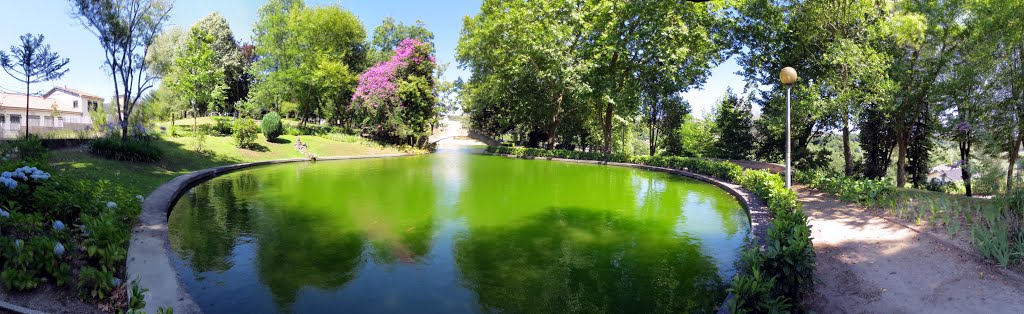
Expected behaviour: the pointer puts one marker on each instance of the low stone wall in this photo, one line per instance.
(149, 251)
(757, 209)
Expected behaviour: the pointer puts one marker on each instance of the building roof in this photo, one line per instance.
(71, 91)
(36, 103)
(946, 173)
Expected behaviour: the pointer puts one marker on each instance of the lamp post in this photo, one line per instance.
(788, 77)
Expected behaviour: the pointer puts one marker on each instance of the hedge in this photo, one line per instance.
(774, 275)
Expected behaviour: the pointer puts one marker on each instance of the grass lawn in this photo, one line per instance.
(179, 159)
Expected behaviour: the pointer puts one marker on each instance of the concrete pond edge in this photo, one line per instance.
(757, 209)
(149, 259)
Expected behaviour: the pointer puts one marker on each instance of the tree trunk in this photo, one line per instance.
(1014, 152)
(27, 89)
(607, 128)
(652, 129)
(554, 121)
(847, 154)
(965, 157)
(901, 158)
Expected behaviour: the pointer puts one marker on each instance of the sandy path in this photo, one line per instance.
(870, 264)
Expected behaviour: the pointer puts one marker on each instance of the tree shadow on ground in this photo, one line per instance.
(257, 147)
(869, 262)
(280, 141)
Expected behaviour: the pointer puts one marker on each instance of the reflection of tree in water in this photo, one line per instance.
(296, 250)
(311, 225)
(577, 260)
(208, 221)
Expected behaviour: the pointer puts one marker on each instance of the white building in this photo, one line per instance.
(60, 108)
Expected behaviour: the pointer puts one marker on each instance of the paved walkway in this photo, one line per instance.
(870, 264)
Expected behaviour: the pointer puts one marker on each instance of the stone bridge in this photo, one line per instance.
(452, 129)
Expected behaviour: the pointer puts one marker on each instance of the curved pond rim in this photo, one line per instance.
(149, 259)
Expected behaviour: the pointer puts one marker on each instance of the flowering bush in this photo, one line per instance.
(37, 242)
(396, 97)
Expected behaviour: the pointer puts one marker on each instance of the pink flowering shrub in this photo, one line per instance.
(396, 97)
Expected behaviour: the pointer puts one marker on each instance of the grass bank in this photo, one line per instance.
(179, 158)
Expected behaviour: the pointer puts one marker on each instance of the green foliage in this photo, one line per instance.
(733, 127)
(781, 269)
(245, 132)
(309, 56)
(865, 192)
(991, 237)
(390, 33)
(195, 77)
(223, 125)
(95, 283)
(28, 149)
(539, 72)
(271, 126)
(198, 139)
(104, 240)
(753, 292)
(46, 219)
(136, 296)
(129, 149)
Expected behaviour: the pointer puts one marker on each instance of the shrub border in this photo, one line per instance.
(757, 210)
(149, 258)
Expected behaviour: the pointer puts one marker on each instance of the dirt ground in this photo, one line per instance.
(871, 264)
(49, 299)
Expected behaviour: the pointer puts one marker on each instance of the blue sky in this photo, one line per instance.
(52, 19)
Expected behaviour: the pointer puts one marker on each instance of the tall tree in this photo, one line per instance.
(733, 126)
(195, 77)
(228, 56)
(125, 28)
(526, 56)
(677, 41)
(32, 62)
(928, 34)
(389, 34)
(310, 56)
(838, 48)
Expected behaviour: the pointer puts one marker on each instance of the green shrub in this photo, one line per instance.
(130, 149)
(44, 221)
(222, 125)
(95, 283)
(28, 149)
(245, 132)
(271, 126)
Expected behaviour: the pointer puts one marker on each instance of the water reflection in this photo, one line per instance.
(578, 260)
(454, 232)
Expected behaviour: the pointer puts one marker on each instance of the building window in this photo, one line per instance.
(15, 121)
(74, 104)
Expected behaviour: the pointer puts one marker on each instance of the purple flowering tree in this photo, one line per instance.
(397, 97)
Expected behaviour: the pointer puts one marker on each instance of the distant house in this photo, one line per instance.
(946, 173)
(59, 108)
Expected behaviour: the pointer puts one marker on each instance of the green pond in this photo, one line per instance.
(455, 232)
